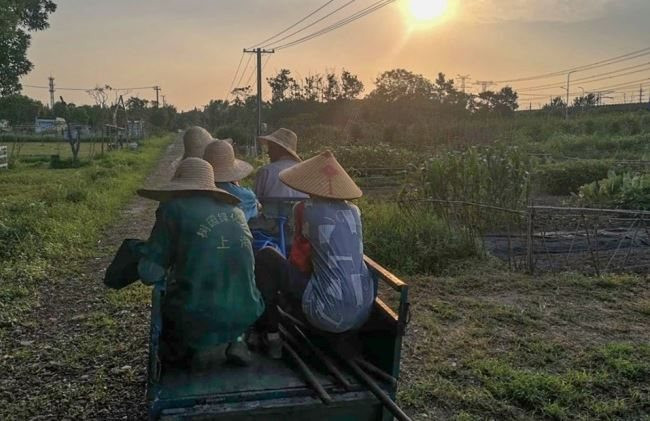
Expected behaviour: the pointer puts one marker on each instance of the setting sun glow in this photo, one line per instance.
(428, 10)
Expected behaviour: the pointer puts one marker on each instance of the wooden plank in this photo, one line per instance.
(392, 280)
(389, 311)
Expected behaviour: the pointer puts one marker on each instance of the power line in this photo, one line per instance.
(250, 57)
(358, 15)
(587, 79)
(602, 63)
(313, 23)
(294, 25)
(241, 60)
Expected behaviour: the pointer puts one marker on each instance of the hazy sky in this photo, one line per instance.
(191, 47)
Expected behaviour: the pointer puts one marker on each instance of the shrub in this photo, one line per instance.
(626, 190)
(417, 242)
(564, 178)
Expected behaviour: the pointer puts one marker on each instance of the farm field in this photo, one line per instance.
(29, 151)
(485, 341)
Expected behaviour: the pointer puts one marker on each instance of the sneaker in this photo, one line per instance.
(238, 354)
(273, 344)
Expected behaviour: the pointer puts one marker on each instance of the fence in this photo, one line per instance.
(542, 239)
(4, 158)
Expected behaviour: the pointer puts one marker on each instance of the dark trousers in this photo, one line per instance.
(280, 283)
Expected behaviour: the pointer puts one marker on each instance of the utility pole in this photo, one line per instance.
(641, 94)
(484, 84)
(568, 84)
(164, 103)
(258, 52)
(157, 89)
(51, 92)
(463, 78)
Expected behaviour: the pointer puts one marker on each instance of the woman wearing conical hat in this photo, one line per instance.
(325, 275)
(200, 247)
(228, 171)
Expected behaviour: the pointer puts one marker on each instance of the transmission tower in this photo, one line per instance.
(484, 84)
(463, 78)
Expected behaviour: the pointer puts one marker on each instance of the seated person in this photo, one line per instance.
(195, 139)
(325, 275)
(281, 147)
(200, 247)
(228, 171)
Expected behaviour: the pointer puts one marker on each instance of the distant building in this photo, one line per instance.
(135, 129)
(78, 130)
(49, 125)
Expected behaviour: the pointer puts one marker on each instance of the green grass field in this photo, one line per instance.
(32, 150)
(50, 218)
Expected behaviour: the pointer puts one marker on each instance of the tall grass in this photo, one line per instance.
(413, 243)
(50, 218)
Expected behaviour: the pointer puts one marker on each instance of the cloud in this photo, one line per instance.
(565, 11)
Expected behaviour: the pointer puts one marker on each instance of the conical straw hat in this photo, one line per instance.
(195, 139)
(284, 138)
(321, 176)
(227, 168)
(192, 176)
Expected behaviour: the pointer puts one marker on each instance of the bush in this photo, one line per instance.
(626, 190)
(564, 178)
(417, 242)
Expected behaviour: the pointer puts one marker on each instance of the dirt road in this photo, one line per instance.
(81, 354)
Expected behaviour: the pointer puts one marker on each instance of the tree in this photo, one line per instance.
(351, 86)
(19, 109)
(332, 90)
(502, 103)
(398, 84)
(279, 84)
(17, 19)
(556, 106)
(585, 101)
(313, 87)
(100, 95)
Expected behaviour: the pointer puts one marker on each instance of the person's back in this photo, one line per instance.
(200, 251)
(340, 294)
(210, 298)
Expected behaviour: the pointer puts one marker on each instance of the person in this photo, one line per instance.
(200, 248)
(228, 171)
(195, 139)
(281, 147)
(326, 276)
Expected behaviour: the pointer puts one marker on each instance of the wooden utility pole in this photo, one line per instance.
(157, 89)
(258, 52)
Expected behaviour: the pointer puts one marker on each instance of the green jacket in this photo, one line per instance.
(202, 249)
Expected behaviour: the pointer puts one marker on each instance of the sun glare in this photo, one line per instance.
(428, 10)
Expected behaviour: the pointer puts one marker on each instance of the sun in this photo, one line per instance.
(428, 10)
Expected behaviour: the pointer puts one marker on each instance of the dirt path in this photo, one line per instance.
(82, 353)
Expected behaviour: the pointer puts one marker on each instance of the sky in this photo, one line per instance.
(191, 48)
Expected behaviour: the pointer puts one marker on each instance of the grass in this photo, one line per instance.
(50, 219)
(35, 151)
(489, 344)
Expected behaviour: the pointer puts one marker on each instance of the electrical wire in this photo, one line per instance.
(587, 79)
(313, 23)
(241, 60)
(358, 15)
(293, 26)
(602, 63)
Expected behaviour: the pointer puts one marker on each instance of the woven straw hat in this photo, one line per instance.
(195, 139)
(227, 168)
(321, 176)
(192, 176)
(284, 138)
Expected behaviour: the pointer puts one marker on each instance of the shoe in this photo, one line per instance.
(238, 354)
(273, 344)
